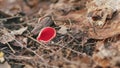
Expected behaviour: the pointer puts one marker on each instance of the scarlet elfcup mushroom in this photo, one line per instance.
(46, 34)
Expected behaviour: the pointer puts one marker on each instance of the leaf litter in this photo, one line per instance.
(88, 33)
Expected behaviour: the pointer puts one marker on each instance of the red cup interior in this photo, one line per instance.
(46, 34)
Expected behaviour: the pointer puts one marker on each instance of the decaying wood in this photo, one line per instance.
(42, 22)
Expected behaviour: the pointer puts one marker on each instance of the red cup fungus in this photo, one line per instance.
(46, 34)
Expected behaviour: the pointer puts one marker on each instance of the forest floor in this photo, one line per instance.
(88, 33)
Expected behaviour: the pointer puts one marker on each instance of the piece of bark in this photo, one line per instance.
(42, 22)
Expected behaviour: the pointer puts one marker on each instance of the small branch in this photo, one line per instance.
(9, 46)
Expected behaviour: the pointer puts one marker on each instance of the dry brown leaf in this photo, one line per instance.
(8, 37)
(19, 32)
